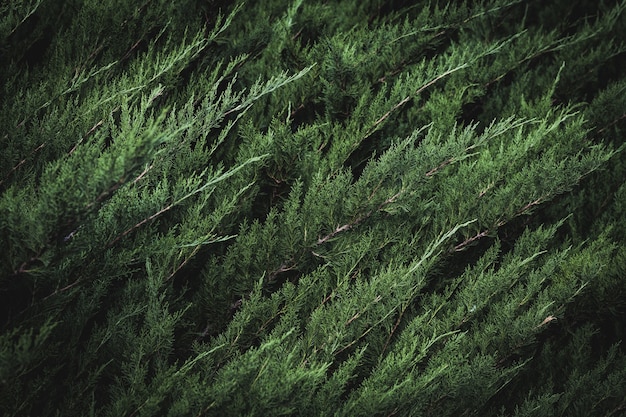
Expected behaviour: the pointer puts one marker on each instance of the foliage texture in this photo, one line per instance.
(355, 208)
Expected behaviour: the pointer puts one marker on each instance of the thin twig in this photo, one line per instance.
(408, 98)
(467, 241)
(86, 135)
(138, 225)
(360, 219)
(22, 162)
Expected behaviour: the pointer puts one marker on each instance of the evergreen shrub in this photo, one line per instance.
(346, 208)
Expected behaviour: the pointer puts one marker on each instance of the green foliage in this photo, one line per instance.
(312, 208)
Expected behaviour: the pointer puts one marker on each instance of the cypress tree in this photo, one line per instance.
(355, 208)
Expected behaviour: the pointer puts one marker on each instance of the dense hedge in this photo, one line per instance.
(351, 208)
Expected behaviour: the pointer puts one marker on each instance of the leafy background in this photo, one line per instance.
(312, 208)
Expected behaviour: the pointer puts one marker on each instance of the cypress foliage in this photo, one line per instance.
(355, 208)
